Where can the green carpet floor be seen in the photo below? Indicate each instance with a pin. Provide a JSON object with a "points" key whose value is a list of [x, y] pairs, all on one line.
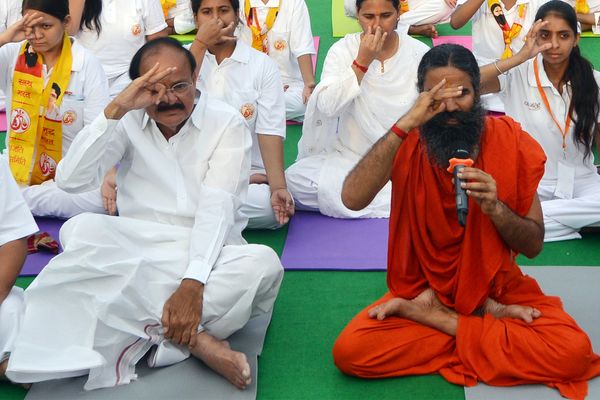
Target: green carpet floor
{"points": [[313, 307]]}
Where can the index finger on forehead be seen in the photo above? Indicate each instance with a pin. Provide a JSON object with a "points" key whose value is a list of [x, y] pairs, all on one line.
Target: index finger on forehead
{"points": [[161, 74]]}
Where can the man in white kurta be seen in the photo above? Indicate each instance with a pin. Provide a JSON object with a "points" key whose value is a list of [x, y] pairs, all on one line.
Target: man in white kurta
{"points": [[173, 270], [289, 39], [85, 97], [345, 118], [16, 223], [249, 81], [570, 188], [125, 27]]}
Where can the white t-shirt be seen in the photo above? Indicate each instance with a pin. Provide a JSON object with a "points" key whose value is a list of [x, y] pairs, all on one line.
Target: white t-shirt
{"points": [[10, 12], [249, 82], [524, 104], [183, 17], [16, 220], [85, 97], [289, 38], [488, 41], [125, 25]]}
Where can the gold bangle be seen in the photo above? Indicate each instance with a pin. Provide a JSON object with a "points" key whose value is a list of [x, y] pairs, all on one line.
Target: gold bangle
{"points": [[498, 69]]}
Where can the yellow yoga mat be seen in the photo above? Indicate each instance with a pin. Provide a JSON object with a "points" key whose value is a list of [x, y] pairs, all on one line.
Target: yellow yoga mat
{"points": [[342, 25]]}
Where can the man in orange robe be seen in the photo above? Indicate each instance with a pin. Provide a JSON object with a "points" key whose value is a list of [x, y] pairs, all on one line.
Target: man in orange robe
{"points": [[458, 304]]}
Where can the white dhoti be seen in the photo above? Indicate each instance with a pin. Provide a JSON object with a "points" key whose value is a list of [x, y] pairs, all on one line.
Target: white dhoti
{"points": [[47, 200], [425, 12], [294, 104], [258, 208], [96, 308], [11, 315], [316, 185], [563, 218]]}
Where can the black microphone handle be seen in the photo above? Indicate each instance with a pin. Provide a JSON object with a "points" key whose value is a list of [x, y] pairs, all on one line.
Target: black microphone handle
{"points": [[462, 200]]}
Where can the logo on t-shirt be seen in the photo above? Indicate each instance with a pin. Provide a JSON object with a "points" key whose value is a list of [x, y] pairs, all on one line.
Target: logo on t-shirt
{"points": [[19, 120], [247, 110], [136, 29], [533, 106], [280, 45], [69, 117]]}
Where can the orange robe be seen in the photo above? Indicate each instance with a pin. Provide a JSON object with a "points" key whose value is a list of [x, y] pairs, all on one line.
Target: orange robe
{"points": [[464, 266]]}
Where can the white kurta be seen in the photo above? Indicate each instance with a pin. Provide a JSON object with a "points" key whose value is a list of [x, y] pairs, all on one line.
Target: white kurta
{"points": [[570, 187], [423, 12], [344, 119], [289, 38], [249, 82], [125, 25], [99, 303], [16, 222], [85, 98]]}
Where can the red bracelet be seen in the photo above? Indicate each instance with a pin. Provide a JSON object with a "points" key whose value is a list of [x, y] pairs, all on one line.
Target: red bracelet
{"points": [[402, 134], [360, 67]]}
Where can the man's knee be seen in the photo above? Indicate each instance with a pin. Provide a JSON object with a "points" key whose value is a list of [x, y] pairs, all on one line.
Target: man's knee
{"points": [[263, 262], [347, 353], [574, 355]]}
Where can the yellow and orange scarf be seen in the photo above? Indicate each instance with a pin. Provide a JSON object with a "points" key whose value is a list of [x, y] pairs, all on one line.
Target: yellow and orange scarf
{"points": [[509, 32], [259, 34], [35, 126], [582, 7], [167, 5], [403, 6]]}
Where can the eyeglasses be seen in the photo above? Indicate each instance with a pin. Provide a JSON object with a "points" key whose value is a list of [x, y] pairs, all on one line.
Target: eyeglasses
{"points": [[178, 88]]}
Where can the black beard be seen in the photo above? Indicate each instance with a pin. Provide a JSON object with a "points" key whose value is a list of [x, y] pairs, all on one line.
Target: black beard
{"points": [[441, 137], [31, 59]]}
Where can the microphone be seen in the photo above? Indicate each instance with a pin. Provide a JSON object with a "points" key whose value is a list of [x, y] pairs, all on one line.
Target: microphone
{"points": [[460, 159]]}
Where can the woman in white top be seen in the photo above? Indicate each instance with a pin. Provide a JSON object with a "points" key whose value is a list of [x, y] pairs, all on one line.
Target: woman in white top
{"points": [[16, 223], [281, 29], [499, 29], [555, 96], [45, 57], [115, 29], [368, 80], [249, 81]]}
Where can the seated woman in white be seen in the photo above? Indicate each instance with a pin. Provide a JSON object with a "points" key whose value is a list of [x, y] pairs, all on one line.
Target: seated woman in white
{"points": [[499, 29], [555, 96], [54, 87], [281, 29], [16, 223], [249, 81], [588, 12], [418, 17], [115, 29], [368, 80]]}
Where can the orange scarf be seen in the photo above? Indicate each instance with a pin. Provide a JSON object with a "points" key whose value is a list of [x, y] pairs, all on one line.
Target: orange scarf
{"points": [[427, 246]]}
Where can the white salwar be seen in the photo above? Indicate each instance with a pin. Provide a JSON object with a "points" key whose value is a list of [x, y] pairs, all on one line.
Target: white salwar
{"points": [[570, 188], [16, 222], [125, 25], [344, 119], [289, 38], [85, 98], [249, 81], [100, 302]]}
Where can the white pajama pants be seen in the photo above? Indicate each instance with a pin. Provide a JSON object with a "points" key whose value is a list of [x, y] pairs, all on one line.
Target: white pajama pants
{"points": [[294, 105], [11, 316], [258, 208], [47, 200], [563, 218], [99, 303]]}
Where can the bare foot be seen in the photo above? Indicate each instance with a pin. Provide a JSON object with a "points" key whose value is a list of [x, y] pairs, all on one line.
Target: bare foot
{"points": [[425, 309], [499, 310], [425, 30], [217, 354], [3, 366]]}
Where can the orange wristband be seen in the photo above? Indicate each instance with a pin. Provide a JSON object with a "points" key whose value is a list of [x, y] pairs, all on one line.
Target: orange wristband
{"points": [[360, 67], [399, 132]]}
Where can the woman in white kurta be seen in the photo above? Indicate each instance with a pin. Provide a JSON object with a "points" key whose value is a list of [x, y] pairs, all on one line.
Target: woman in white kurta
{"points": [[538, 93], [83, 98], [16, 223], [288, 41], [368, 80], [488, 39], [249, 81], [124, 27]]}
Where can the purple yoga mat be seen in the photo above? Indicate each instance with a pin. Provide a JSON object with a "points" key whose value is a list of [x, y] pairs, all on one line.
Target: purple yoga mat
{"points": [[37, 261], [317, 242]]}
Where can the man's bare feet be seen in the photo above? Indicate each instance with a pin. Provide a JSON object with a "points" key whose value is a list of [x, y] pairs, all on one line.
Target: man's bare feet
{"points": [[499, 310], [425, 309], [217, 354], [425, 30], [3, 366]]}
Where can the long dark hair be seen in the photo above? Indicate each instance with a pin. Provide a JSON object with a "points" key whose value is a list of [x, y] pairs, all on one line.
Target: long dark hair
{"points": [[584, 107], [91, 15], [57, 8]]}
